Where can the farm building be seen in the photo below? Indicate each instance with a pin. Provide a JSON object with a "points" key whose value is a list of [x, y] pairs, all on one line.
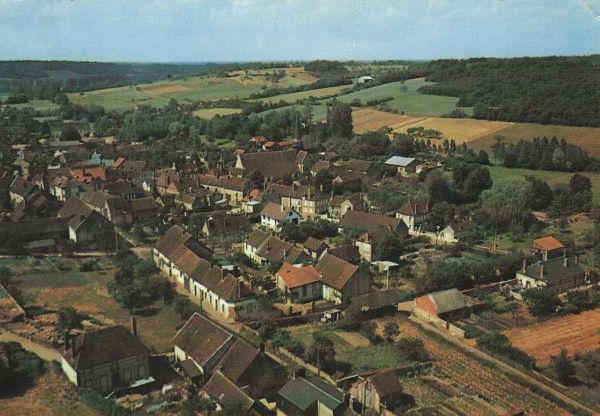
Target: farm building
{"points": [[405, 165], [365, 79], [449, 305], [560, 274], [381, 393], [106, 358], [547, 247], [307, 397]]}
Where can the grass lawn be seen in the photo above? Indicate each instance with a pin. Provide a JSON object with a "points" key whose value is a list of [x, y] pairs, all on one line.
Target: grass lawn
{"points": [[319, 111], [43, 285], [406, 98]]}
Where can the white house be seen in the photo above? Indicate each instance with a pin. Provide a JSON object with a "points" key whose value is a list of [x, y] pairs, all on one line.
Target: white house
{"points": [[274, 215]]}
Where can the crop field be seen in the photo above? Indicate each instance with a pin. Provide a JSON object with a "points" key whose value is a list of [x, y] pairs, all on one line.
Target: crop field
{"points": [[367, 119], [575, 333], [39, 105], [460, 129], [468, 375], [159, 93], [586, 137], [54, 283], [301, 95], [405, 98], [208, 113]]}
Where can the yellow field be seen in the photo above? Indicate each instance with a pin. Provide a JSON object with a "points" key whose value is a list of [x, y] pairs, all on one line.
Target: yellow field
{"points": [[208, 113], [585, 137], [367, 119], [479, 134]]}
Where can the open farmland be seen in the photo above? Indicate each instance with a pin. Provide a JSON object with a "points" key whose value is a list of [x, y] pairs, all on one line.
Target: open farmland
{"points": [[469, 377], [405, 97], [585, 137], [186, 89], [208, 113], [575, 333], [460, 129], [367, 119], [301, 95]]}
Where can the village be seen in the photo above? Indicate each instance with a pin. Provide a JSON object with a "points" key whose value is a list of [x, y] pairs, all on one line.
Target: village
{"points": [[297, 295]]}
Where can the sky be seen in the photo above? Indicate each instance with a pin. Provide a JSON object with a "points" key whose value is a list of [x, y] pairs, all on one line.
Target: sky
{"points": [[277, 30]]}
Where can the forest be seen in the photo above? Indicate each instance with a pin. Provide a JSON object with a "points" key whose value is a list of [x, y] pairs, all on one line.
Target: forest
{"points": [[546, 90]]}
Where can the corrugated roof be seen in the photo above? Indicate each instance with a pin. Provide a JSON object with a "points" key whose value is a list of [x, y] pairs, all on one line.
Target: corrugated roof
{"points": [[400, 161], [447, 300]]}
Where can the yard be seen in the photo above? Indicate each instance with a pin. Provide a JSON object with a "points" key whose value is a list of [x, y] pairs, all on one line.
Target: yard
{"points": [[52, 283]]}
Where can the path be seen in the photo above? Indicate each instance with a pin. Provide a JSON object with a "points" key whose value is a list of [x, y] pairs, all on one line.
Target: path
{"points": [[503, 366], [45, 353]]}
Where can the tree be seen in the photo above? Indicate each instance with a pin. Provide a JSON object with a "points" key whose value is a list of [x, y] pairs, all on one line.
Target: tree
{"points": [[483, 158], [391, 331], [541, 301], [390, 247], [412, 348], [69, 318], [579, 183], [539, 194], [69, 132], [563, 367], [322, 353], [339, 119], [438, 188], [477, 181]]}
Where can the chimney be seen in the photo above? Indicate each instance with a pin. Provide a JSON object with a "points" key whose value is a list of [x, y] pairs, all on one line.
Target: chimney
{"points": [[524, 265], [542, 271], [72, 347], [565, 261], [133, 325]]}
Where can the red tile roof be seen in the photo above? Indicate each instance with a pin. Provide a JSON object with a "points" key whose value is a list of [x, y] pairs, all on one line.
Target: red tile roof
{"points": [[298, 276], [548, 243]]}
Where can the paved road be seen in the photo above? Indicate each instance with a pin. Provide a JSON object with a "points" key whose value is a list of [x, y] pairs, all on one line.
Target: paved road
{"points": [[503, 366], [45, 353]]}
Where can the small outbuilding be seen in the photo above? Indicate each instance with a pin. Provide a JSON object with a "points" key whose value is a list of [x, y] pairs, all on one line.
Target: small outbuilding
{"points": [[449, 305], [405, 165]]}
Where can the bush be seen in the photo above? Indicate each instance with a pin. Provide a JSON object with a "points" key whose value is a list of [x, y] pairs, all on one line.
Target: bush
{"points": [[69, 318], [471, 332], [500, 344], [18, 369], [88, 266], [412, 349], [541, 301]]}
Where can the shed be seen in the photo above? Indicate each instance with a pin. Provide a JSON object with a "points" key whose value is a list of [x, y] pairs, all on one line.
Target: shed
{"points": [[449, 305]]}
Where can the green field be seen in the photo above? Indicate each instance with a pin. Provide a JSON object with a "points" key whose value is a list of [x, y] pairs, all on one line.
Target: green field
{"points": [[201, 88], [39, 105], [301, 95], [208, 113], [406, 98]]}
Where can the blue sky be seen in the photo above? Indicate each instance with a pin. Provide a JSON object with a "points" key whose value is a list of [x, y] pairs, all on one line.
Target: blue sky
{"points": [[258, 30]]}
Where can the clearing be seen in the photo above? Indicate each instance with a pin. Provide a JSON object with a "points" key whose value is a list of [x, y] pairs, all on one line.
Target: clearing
{"points": [[575, 333], [460, 129]]}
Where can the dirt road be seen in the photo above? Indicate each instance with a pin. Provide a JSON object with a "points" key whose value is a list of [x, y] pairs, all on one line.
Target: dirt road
{"points": [[45, 353]]}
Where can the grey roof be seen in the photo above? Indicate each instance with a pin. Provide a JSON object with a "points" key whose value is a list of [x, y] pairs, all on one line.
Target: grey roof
{"points": [[400, 161], [447, 300], [555, 270], [303, 392]]}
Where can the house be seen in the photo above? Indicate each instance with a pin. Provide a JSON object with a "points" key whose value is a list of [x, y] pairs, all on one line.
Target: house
{"points": [[405, 165], [92, 230], [340, 204], [381, 393], [306, 200], [114, 208], [354, 165], [45, 231], [310, 397], [365, 79], [274, 215], [163, 179], [559, 274], [376, 227], [63, 187], [143, 209], [456, 230], [314, 247], [299, 284], [348, 252], [414, 215], [196, 200], [347, 181], [199, 346], [341, 280], [547, 247], [232, 188], [264, 249], [107, 358], [227, 394], [448, 305], [271, 165]]}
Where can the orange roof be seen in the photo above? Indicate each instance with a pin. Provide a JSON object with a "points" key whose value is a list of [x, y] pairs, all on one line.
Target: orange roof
{"points": [[85, 174], [118, 162], [298, 276], [548, 243]]}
